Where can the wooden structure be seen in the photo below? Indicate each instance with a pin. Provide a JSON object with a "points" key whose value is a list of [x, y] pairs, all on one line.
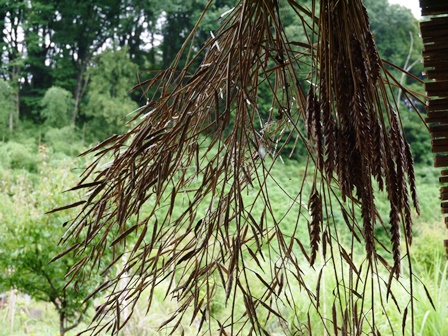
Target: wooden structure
{"points": [[435, 60]]}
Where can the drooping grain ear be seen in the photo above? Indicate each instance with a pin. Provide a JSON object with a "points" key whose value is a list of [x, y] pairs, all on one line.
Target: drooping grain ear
{"points": [[188, 181], [315, 206]]}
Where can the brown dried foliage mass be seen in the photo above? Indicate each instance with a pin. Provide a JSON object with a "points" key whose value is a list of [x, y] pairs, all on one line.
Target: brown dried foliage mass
{"points": [[201, 141]]}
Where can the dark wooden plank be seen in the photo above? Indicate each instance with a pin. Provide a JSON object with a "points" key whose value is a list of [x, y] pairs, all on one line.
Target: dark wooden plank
{"points": [[440, 149], [433, 7], [439, 89], [439, 142], [439, 135], [439, 128], [444, 197], [436, 119], [441, 161], [434, 64], [433, 47], [436, 86], [438, 114], [434, 21], [437, 104], [437, 74]]}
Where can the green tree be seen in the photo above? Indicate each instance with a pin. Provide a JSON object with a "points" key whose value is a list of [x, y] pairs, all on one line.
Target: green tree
{"points": [[40, 55], [83, 29], [51, 44], [178, 19], [137, 29], [108, 98], [57, 107], [12, 18], [391, 25], [30, 240], [8, 115]]}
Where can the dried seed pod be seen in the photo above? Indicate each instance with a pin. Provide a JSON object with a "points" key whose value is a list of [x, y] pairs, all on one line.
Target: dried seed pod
{"points": [[395, 237], [378, 153], [358, 61], [310, 112], [315, 208], [374, 58], [367, 211]]}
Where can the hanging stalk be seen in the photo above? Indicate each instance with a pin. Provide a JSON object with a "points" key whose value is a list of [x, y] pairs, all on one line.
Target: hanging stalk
{"points": [[208, 118]]}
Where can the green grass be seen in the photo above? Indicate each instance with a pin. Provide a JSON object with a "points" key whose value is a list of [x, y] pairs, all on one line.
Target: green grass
{"points": [[427, 252], [25, 324]]}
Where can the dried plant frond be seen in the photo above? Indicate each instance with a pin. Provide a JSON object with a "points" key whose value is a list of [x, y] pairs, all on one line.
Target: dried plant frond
{"points": [[179, 201]]}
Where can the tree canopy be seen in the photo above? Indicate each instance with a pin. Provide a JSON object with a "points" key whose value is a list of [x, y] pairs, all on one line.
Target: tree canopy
{"points": [[57, 44]]}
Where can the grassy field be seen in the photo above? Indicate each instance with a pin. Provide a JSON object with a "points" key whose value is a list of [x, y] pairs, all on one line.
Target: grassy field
{"points": [[39, 318]]}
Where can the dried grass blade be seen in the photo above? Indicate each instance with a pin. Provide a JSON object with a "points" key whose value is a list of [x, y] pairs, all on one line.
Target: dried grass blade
{"points": [[124, 235], [65, 207], [63, 253]]}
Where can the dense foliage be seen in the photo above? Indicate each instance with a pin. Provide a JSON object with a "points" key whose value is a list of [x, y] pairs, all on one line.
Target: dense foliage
{"points": [[73, 64], [30, 240]]}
